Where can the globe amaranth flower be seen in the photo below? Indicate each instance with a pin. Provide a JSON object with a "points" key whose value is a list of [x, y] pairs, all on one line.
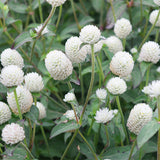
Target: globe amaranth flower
{"points": [[38, 28], [133, 50], [158, 70], [70, 115], [5, 113], [90, 34], [33, 82], [122, 64], [56, 3], [69, 97], [150, 52], [73, 50], [13, 133], [122, 28], [157, 2], [104, 115], [139, 116], [11, 57], [25, 100], [42, 110], [11, 76], [101, 94], [116, 86], [153, 17], [58, 65], [115, 111]]}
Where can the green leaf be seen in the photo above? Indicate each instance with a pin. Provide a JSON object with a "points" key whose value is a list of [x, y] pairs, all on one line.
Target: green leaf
{"points": [[64, 127], [97, 5], [147, 132], [107, 52], [3, 89], [143, 67]]}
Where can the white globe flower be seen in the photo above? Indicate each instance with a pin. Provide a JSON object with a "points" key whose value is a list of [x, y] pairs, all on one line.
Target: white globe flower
{"points": [[157, 2], [90, 34], [58, 65], [25, 100], [116, 86], [11, 76], [13, 133], [5, 113], [115, 111], [69, 97], [11, 57], [42, 110], [153, 17], [56, 3], [73, 50], [104, 115], [33, 82], [122, 28], [45, 30], [70, 115], [122, 64], [150, 52], [133, 50], [139, 116], [158, 69], [101, 94]]}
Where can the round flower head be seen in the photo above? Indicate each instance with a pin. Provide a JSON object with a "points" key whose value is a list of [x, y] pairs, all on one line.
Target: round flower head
{"points": [[58, 65], [13, 133], [153, 17], [70, 115], [122, 64], [150, 52], [133, 50], [5, 113], [25, 100], [116, 86], [139, 116], [115, 111], [11, 57], [122, 28], [73, 50], [101, 94], [114, 44], [104, 115], [11, 76], [69, 97], [38, 28], [90, 34], [33, 82], [157, 2], [56, 3], [42, 110], [158, 69]]}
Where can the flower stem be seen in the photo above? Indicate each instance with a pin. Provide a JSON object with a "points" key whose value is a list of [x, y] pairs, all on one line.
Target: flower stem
{"points": [[157, 35], [131, 152], [158, 146], [78, 155], [114, 15], [147, 74], [96, 137], [69, 85], [124, 44], [100, 68], [40, 11], [83, 6], [75, 113], [90, 128], [32, 50], [81, 82], [59, 17], [141, 10]]}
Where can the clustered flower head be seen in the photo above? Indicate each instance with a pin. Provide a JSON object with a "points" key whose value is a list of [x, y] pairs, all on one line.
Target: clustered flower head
{"points": [[157, 2], [101, 94], [116, 86], [5, 113], [42, 110], [58, 65], [153, 17], [38, 28], [139, 116], [122, 64], [133, 50], [122, 28], [150, 52], [104, 115], [25, 100], [70, 115], [90, 34], [69, 97], [13, 133], [11, 57], [56, 3], [33, 82], [11, 76]]}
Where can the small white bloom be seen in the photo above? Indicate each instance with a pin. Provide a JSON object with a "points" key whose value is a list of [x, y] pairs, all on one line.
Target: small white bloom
{"points": [[122, 28], [45, 30], [101, 94], [157, 2], [69, 97], [11, 76], [139, 30], [70, 115], [158, 69], [150, 52], [11, 57], [5, 113], [56, 3], [116, 86], [104, 115], [90, 34], [133, 50], [33, 82], [139, 116], [58, 65], [122, 64], [153, 17], [25, 100], [42, 110], [115, 111], [13, 133]]}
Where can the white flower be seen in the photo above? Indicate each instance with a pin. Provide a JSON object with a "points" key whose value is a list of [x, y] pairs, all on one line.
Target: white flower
{"points": [[33, 82], [158, 69], [150, 52], [73, 50], [56, 3], [70, 115], [157, 2], [11, 76], [42, 110], [69, 97], [116, 86], [139, 116], [11, 57], [122, 64], [139, 30], [153, 17], [58, 65], [101, 94], [115, 111], [45, 30], [25, 100], [122, 28], [90, 34], [114, 44], [104, 115], [153, 89], [13, 133], [5, 113], [133, 50]]}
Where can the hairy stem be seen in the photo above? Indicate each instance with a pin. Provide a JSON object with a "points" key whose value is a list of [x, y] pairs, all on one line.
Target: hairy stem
{"points": [[81, 82], [40, 11], [131, 152]]}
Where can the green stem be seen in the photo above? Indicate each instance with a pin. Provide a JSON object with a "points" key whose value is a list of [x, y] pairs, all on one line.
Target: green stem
{"points": [[90, 128], [75, 113], [100, 67], [140, 153], [33, 137], [83, 6], [69, 85], [31, 10], [122, 117], [81, 82], [124, 44], [96, 137], [59, 17], [32, 51], [78, 155], [27, 21], [141, 10], [147, 74], [114, 15], [101, 14], [157, 35], [131, 152], [40, 11], [158, 146]]}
